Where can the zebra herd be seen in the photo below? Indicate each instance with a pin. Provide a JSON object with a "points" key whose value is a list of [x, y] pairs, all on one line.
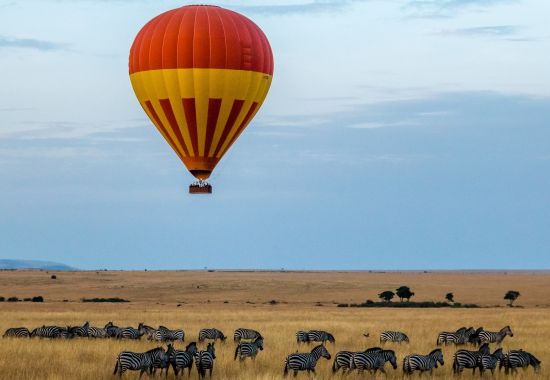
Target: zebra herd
{"points": [[250, 342]]}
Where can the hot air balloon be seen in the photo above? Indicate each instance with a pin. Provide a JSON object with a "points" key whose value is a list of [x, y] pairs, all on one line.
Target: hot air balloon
{"points": [[201, 73]]}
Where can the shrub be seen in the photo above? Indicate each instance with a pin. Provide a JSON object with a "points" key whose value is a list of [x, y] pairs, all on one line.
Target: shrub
{"points": [[112, 299], [13, 299], [2, 299], [37, 299], [53, 277]]}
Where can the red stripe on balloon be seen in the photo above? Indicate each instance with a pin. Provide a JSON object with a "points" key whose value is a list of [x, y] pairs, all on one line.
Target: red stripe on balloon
{"points": [[214, 106], [159, 124], [235, 111], [191, 118], [169, 113], [244, 123]]}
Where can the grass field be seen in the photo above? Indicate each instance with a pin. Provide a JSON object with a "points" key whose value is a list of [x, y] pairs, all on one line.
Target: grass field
{"points": [[229, 300]]}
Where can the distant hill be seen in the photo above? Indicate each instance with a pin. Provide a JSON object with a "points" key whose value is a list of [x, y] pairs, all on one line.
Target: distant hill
{"points": [[33, 264]]}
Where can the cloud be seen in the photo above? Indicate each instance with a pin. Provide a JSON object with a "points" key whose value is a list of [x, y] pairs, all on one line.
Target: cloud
{"points": [[448, 8], [489, 31], [30, 43], [315, 6]]}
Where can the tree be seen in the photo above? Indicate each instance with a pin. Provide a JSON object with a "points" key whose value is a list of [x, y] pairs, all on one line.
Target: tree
{"points": [[450, 297], [404, 292], [387, 295], [511, 296]]}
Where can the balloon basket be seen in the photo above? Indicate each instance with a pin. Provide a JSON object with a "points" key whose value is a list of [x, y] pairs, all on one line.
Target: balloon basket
{"points": [[200, 188]]}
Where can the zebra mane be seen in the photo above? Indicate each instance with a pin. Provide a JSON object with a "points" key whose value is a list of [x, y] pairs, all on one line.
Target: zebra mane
{"points": [[190, 345], [533, 360], [434, 351], [157, 349]]}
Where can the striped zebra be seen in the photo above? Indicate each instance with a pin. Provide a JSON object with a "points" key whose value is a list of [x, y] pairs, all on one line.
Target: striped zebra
{"points": [[245, 334], [343, 359], [132, 333], [81, 331], [112, 330], [460, 336], [161, 359], [249, 350], [519, 359], [204, 360], [320, 336], [393, 336], [212, 333], [17, 332], [495, 337], [183, 359], [136, 361], [423, 363], [474, 337], [469, 359], [47, 332], [97, 332], [490, 361], [163, 334], [66, 333], [305, 361], [373, 361]]}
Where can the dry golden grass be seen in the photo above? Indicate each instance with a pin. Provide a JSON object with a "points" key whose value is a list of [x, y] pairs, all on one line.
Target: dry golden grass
{"points": [[154, 297]]}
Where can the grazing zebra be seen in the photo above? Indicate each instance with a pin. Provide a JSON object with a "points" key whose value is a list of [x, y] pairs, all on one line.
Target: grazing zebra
{"points": [[495, 337], [183, 359], [205, 360], [66, 333], [393, 336], [460, 336], [47, 332], [135, 361], [212, 333], [249, 350], [97, 332], [423, 363], [302, 336], [343, 359], [245, 334], [132, 333], [516, 359], [320, 336], [17, 332], [490, 361], [164, 334], [474, 338], [81, 331], [373, 361], [112, 330], [305, 361], [469, 359]]}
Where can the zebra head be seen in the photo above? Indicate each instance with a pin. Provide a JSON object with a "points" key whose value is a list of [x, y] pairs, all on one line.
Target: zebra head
{"points": [[259, 342], [321, 352], [507, 331], [389, 355], [108, 325], [211, 349], [191, 348], [534, 362], [330, 338], [484, 349], [221, 336], [437, 354]]}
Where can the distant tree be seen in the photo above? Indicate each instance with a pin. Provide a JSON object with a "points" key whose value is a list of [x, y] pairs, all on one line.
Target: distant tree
{"points": [[511, 296], [450, 297], [387, 295], [53, 277], [404, 292]]}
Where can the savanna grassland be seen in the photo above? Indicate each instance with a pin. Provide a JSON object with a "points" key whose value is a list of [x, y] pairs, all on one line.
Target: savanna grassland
{"points": [[228, 300]]}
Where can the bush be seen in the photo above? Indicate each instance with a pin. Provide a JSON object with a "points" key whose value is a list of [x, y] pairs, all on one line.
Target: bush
{"points": [[112, 299], [2, 299], [37, 299], [53, 277], [26, 299], [13, 299], [424, 304]]}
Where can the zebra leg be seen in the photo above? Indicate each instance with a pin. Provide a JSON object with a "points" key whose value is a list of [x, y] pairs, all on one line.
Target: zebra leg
{"points": [[295, 372]]}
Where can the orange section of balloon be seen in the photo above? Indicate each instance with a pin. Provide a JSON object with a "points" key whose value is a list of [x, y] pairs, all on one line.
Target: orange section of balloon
{"points": [[201, 73]]}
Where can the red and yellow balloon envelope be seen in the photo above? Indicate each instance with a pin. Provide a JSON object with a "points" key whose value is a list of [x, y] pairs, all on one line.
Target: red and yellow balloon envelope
{"points": [[201, 73]]}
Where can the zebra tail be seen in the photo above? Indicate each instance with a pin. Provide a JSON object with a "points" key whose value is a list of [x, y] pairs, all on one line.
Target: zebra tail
{"points": [[200, 368], [334, 366], [116, 364], [236, 352], [285, 371]]}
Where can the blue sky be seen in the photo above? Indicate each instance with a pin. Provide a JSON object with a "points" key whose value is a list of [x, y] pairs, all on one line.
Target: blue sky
{"points": [[397, 135]]}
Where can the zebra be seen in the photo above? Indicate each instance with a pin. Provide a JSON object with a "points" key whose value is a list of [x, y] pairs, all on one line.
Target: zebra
{"points": [[66, 333], [211, 333], [373, 361], [460, 336], [423, 363], [249, 350], [205, 360], [132, 333], [393, 336], [81, 331], [490, 361], [97, 332], [495, 337], [469, 359], [161, 359], [523, 359], [135, 361], [164, 334], [112, 330], [343, 358], [302, 337], [320, 336], [17, 332], [245, 334], [183, 359], [305, 361], [474, 337], [47, 332]]}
